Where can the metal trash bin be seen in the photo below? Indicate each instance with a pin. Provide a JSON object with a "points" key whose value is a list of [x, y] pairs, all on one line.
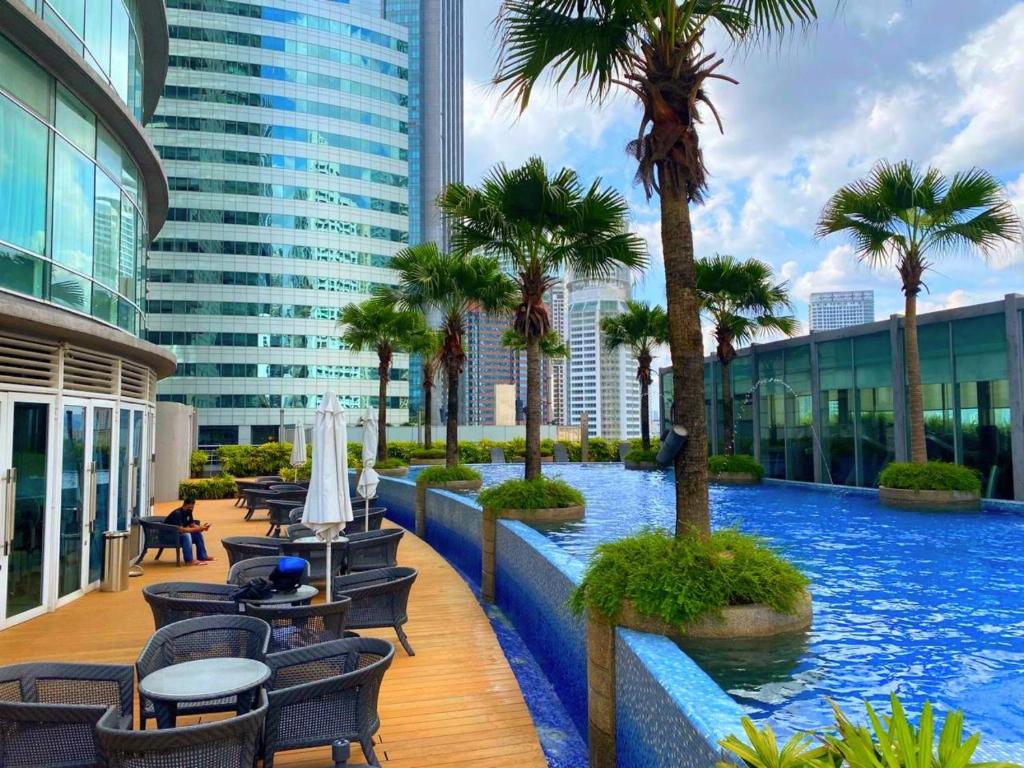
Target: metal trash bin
{"points": [[115, 561]]}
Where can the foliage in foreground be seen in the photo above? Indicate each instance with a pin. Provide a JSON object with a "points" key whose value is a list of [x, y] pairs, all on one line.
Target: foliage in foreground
{"points": [[682, 579], [933, 476], [542, 493], [438, 475], [739, 463], [219, 487], [887, 742]]}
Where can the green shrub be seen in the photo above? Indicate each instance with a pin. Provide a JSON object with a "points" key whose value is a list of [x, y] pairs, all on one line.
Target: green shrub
{"points": [[400, 449], [684, 579], [390, 464], [933, 476], [427, 453], [542, 493], [197, 462], [219, 487], [739, 463], [297, 474], [255, 460], [639, 456], [438, 475]]}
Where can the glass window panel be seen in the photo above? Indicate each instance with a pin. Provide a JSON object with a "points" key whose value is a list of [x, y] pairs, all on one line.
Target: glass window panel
{"points": [[126, 268], [772, 394], [129, 177], [23, 146], [72, 499], [73, 205], [108, 152], [104, 304], [97, 31], [135, 76], [71, 290], [30, 458], [25, 79], [979, 348], [836, 398], [68, 18], [126, 316], [76, 122], [22, 272], [119, 49], [108, 230]]}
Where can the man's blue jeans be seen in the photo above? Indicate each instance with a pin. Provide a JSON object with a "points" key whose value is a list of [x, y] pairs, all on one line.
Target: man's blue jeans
{"points": [[187, 540]]}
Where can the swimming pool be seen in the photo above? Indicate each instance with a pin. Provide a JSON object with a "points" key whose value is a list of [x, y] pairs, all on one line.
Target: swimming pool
{"points": [[927, 604]]}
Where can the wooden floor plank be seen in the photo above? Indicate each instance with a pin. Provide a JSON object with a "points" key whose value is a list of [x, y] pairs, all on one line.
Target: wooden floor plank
{"points": [[456, 703]]}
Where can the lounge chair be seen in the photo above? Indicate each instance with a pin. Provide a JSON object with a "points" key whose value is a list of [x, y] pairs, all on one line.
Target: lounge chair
{"points": [[297, 626], [380, 598]]}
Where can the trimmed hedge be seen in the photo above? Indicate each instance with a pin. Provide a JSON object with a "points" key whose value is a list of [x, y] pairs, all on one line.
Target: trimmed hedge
{"points": [[738, 463], [219, 487], [255, 460], [541, 493], [390, 464], [933, 476], [438, 475], [197, 462], [426, 453], [684, 579]]}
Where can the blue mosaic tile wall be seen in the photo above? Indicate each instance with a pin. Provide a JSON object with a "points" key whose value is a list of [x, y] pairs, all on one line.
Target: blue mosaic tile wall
{"points": [[534, 579], [453, 529], [399, 496], [669, 713]]}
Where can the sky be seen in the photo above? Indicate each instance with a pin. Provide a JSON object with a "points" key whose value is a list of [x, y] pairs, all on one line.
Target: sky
{"points": [[939, 82]]}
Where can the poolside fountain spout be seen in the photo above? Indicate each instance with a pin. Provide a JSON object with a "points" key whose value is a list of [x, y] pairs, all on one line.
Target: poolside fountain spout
{"points": [[672, 442]]}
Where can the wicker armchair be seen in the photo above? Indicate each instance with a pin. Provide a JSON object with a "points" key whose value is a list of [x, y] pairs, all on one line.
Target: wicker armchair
{"points": [[241, 548], [359, 521], [255, 499], [173, 601], [289, 487], [246, 485], [295, 514], [207, 637], [49, 711], [299, 531], [257, 567], [323, 693], [230, 743], [280, 509], [299, 626], [380, 598], [373, 549], [158, 535], [269, 479]]}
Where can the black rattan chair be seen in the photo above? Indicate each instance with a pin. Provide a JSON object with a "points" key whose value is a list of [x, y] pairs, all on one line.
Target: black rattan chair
{"points": [[359, 522], [257, 567], [298, 626], [269, 479], [173, 601], [323, 693], [246, 485], [280, 513], [295, 514], [207, 637], [49, 711], [315, 553], [380, 598], [241, 548], [230, 743], [373, 549], [289, 487], [158, 535], [299, 531], [256, 499]]}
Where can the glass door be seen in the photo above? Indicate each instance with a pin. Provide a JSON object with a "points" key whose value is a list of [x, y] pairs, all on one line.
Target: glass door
{"points": [[131, 463], [75, 492], [25, 455], [102, 462]]}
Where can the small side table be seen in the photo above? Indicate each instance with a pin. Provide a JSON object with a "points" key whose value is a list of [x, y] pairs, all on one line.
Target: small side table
{"points": [[202, 680], [303, 594]]}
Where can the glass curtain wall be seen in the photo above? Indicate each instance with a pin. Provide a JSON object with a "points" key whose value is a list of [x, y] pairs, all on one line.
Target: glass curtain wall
{"points": [[741, 372], [937, 392], [837, 409], [772, 402], [877, 439]]}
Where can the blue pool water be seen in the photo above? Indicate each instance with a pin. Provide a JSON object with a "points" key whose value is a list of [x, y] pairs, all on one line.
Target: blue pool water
{"points": [[927, 604]]}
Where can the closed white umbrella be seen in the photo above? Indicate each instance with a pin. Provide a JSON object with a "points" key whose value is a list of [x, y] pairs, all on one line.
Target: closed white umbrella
{"points": [[368, 478], [299, 446], [328, 506]]}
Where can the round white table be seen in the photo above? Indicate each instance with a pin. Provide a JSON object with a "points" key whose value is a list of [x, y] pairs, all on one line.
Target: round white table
{"points": [[318, 540], [304, 593], [202, 680]]}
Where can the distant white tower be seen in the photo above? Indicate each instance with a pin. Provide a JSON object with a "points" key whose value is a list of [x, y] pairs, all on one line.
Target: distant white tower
{"points": [[840, 309], [601, 383], [558, 301]]}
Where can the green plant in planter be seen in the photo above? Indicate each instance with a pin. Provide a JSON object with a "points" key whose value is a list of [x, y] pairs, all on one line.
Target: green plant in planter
{"points": [[640, 456], [427, 453], [390, 464], [683, 579], [542, 493], [439, 475], [219, 487], [740, 463], [933, 476], [197, 461]]}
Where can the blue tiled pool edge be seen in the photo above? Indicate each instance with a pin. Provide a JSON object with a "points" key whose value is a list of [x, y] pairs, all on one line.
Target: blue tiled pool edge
{"points": [[669, 712]]}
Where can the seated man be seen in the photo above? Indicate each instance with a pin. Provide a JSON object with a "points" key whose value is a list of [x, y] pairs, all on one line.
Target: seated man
{"points": [[190, 531]]}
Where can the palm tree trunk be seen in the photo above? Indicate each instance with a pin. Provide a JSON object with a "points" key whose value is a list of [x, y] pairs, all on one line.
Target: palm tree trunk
{"points": [[645, 414], [452, 434], [532, 407], [428, 405], [382, 409], [912, 358], [687, 346], [727, 418]]}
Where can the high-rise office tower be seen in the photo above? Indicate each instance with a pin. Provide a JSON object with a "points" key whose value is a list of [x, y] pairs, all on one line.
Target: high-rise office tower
{"points": [[488, 364], [292, 157], [602, 384], [840, 309], [557, 304]]}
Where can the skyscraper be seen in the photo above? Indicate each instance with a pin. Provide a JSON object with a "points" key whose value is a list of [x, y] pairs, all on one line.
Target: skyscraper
{"points": [[488, 363], [557, 300], [602, 384], [840, 309], [296, 171]]}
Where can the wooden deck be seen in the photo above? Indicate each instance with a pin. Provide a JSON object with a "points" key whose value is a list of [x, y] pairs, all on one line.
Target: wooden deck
{"points": [[456, 703]]}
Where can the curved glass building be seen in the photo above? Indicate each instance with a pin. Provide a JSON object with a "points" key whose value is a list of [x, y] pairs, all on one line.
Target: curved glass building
{"points": [[81, 189], [284, 129]]}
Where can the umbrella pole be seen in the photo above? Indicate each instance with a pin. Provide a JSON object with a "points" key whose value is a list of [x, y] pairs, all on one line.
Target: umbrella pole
{"points": [[366, 514], [327, 577]]}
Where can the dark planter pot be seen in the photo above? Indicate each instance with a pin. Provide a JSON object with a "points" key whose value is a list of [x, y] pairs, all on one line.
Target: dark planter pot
{"points": [[734, 478], [641, 466], [940, 500], [421, 498], [427, 462], [396, 472]]}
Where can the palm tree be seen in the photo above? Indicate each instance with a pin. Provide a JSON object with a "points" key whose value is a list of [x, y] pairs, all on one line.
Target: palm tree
{"points": [[742, 303], [641, 327], [376, 325], [429, 345], [654, 50], [453, 284], [901, 216], [538, 225]]}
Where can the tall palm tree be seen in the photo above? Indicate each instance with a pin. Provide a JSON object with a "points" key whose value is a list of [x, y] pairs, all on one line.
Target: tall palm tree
{"points": [[429, 345], [654, 50], [641, 327], [376, 325], [902, 216], [743, 303], [538, 225], [452, 284]]}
